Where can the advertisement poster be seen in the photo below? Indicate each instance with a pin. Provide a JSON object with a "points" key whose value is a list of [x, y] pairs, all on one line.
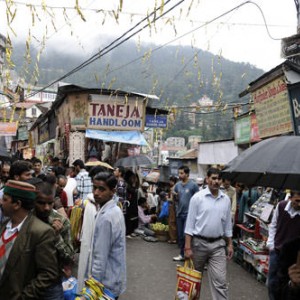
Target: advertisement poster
{"points": [[272, 107]]}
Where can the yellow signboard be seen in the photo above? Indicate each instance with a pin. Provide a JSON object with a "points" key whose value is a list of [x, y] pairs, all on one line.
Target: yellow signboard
{"points": [[272, 107]]}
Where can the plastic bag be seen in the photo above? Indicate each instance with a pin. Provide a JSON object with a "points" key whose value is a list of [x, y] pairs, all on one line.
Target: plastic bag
{"points": [[69, 287]]}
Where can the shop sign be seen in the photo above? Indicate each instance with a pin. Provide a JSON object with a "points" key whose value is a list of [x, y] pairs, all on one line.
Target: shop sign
{"points": [[44, 133], [272, 109], [154, 121], [8, 129], [254, 135], [242, 130], [295, 99], [23, 133], [116, 114], [78, 112]]}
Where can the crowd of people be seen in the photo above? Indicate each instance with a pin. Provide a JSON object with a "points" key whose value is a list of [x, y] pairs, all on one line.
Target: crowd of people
{"points": [[50, 213]]}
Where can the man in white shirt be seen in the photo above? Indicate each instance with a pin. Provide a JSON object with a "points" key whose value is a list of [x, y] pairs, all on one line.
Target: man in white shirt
{"points": [[208, 232], [285, 226]]}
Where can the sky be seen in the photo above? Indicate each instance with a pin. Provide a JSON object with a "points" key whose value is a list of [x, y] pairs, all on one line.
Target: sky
{"points": [[240, 35]]}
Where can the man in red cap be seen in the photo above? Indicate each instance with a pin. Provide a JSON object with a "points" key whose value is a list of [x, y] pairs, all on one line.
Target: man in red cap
{"points": [[28, 258]]}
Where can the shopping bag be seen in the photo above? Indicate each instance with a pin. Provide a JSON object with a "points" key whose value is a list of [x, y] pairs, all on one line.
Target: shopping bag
{"points": [[188, 282]]}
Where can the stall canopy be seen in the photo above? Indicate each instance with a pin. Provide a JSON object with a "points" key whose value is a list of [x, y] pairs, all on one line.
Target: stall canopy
{"points": [[217, 152], [126, 137]]}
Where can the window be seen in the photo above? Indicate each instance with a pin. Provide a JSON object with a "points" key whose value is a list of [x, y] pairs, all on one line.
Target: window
{"points": [[33, 112]]}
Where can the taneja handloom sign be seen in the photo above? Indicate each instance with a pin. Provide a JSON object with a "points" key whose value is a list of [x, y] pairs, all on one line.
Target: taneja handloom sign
{"points": [[115, 114]]}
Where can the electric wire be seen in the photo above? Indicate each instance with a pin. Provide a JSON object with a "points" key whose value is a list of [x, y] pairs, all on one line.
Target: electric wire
{"points": [[107, 49]]}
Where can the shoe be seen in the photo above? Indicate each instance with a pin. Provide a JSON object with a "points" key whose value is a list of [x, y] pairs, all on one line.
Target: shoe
{"points": [[150, 239], [129, 236], [139, 232], [178, 258], [133, 235], [172, 241]]}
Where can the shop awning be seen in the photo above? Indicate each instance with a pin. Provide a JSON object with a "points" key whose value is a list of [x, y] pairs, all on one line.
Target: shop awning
{"points": [[126, 137]]}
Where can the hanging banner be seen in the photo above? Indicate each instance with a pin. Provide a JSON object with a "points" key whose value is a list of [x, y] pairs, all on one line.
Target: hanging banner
{"points": [[272, 107], [8, 129], [115, 113]]}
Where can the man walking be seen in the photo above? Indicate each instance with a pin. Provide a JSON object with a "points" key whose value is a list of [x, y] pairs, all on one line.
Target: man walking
{"points": [[28, 258], [208, 231], [107, 262], [63, 243], [183, 192], [84, 182]]}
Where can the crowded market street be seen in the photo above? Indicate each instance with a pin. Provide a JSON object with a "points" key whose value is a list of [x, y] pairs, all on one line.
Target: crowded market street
{"points": [[152, 275]]}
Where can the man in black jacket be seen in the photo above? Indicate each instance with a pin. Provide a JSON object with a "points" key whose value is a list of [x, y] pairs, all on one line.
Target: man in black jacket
{"points": [[289, 271]]}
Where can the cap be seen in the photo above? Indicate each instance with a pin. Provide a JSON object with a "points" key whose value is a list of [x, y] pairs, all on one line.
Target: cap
{"points": [[199, 180], [145, 184], [20, 189]]}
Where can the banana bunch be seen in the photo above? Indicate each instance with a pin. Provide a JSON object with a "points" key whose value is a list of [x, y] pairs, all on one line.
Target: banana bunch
{"points": [[159, 227]]}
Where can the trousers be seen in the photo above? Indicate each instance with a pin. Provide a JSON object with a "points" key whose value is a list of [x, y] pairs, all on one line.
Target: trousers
{"points": [[214, 254]]}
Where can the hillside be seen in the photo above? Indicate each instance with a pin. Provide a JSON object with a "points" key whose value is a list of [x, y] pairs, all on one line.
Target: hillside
{"points": [[178, 75]]}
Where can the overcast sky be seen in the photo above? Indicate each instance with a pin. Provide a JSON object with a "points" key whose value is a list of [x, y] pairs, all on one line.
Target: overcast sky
{"points": [[240, 36]]}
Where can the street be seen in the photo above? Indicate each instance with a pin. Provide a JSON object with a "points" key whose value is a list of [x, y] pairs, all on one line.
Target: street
{"points": [[151, 275]]}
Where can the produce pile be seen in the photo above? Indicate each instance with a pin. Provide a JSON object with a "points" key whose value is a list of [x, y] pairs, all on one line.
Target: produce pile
{"points": [[159, 227]]}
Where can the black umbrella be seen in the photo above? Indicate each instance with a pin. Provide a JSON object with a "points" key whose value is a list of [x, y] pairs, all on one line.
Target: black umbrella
{"points": [[135, 161], [4, 155], [274, 162]]}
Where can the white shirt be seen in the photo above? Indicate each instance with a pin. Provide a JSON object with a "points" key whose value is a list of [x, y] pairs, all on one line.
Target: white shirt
{"points": [[12, 230], [151, 200], [69, 189], [209, 216], [273, 226]]}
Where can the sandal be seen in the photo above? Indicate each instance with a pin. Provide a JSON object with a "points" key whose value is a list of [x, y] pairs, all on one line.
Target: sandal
{"points": [[172, 241]]}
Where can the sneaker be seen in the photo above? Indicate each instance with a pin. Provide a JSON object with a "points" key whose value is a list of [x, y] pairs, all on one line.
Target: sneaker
{"points": [[178, 258]]}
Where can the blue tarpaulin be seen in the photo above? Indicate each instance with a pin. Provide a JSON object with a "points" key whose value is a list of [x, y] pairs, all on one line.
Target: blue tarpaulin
{"points": [[127, 137]]}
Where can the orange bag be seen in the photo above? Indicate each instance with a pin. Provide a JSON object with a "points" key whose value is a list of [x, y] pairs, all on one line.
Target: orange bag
{"points": [[188, 282]]}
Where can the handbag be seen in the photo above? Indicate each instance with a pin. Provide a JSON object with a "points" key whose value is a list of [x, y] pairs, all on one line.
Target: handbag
{"points": [[188, 282]]}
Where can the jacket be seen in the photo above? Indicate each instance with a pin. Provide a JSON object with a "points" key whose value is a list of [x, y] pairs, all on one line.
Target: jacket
{"points": [[32, 264]]}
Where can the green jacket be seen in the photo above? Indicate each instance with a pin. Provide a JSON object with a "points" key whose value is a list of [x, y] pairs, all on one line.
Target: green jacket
{"points": [[32, 265], [63, 242]]}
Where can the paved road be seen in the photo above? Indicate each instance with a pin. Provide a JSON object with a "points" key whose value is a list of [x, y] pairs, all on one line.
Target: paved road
{"points": [[151, 275]]}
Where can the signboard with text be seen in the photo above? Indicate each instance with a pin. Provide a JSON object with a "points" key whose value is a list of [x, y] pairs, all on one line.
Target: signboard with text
{"points": [[154, 121], [8, 129], [242, 130], [272, 107], [115, 113], [295, 99], [23, 133]]}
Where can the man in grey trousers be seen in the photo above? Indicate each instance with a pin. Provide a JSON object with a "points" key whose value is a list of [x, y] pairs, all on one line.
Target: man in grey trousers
{"points": [[208, 233]]}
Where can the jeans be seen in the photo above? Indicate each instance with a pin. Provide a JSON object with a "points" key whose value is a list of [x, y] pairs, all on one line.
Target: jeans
{"points": [[273, 281], [55, 292], [181, 220]]}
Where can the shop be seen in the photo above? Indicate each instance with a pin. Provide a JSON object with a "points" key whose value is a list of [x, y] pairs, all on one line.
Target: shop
{"points": [[94, 123]]}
